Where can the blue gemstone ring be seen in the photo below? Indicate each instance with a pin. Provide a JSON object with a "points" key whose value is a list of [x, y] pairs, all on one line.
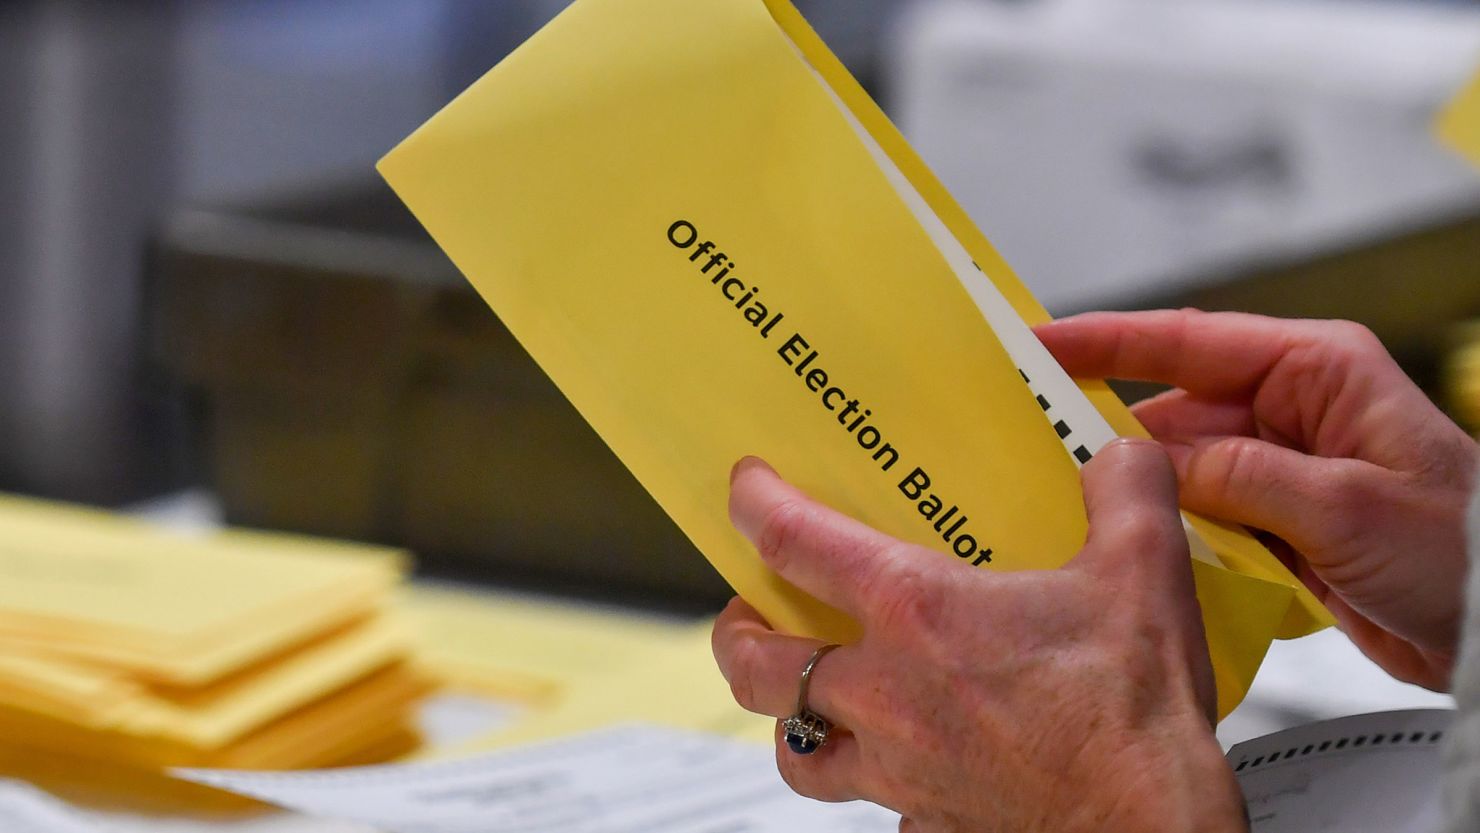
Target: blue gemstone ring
{"points": [[806, 731]]}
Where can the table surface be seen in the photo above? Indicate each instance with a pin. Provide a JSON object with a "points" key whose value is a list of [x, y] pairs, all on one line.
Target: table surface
{"points": [[1310, 679]]}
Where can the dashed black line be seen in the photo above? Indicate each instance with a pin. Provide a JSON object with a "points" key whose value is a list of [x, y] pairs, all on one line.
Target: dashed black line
{"points": [[1340, 744], [1060, 427]]}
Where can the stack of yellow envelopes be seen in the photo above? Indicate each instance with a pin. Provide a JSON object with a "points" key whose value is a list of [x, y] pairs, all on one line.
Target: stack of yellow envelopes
{"points": [[126, 649]]}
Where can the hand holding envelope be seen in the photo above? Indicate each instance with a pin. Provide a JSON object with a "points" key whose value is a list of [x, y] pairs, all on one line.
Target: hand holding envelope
{"points": [[714, 246], [554, 182], [979, 701]]}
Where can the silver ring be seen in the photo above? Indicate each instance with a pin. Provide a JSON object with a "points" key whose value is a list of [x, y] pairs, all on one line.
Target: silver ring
{"points": [[806, 731]]}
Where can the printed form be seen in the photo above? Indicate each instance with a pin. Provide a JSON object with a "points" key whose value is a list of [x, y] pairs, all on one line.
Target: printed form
{"points": [[1373, 773], [633, 779]]}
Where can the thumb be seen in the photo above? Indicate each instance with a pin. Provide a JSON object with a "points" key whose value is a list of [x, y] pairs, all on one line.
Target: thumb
{"points": [[1136, 538], [1135, 528], [1311, 502]]}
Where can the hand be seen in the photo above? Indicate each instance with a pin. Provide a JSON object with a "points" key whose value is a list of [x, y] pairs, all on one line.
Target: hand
{"points": [[1063, 700], [1310, 431]]}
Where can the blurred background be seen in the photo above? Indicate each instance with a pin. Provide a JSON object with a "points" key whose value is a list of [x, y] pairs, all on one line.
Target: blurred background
{"points": [[206, 291]]}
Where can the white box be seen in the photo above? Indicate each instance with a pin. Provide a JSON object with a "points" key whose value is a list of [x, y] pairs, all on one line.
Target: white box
{"points": [[1115, 148]]}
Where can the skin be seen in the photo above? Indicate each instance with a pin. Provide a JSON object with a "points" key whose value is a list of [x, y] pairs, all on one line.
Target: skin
{"points": [[1080, 699], [1309, 431], [1063, 700]]}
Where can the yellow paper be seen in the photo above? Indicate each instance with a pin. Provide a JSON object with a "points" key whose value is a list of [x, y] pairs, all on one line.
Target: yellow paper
{"points": [[533, 652], [672, 683], [172, 609], [223, 713], [587, 183], [318, 733], [574, 666], [1460, 124], [211, 717], [84, 696]]}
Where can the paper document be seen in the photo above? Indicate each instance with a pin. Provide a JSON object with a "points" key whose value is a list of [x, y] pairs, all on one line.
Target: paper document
{"points": [[525, 650], [636, 779], [721, 250], [675, 685], [25, 809], [126, 648], [177, 610], [1373, 773], [1460, 124]]}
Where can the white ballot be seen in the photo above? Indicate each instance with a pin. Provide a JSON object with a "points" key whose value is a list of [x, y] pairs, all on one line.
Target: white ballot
{"points": [[634, 779], [25, 809], [1373, 773]]}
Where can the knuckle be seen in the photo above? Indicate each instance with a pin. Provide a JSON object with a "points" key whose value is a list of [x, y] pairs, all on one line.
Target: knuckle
{"points": [[1346, 504], [744, 660], [781, 528], [908, 602], [1186, 321], [1190, 316], [1355, 338], [1227, 465], [1145, 528]]}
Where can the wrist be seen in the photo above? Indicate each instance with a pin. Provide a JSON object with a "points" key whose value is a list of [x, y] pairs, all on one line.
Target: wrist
{"points": [[1187, 788], [1224, 810], [1215, 800]]}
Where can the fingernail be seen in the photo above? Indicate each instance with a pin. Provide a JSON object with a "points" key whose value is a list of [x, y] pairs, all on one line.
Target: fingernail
{"points": [[749, 462], [1124, 445]]}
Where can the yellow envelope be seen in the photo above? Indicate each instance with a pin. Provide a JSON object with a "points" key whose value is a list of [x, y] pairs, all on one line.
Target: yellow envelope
{"points": [[717, 245], [522, 649], [1460, 124], [317, 733], [674, 683], [205, 718], [173, 609], [86, 697]]}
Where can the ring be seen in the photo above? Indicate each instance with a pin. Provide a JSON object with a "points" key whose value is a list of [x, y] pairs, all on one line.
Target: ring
{"points": [[806, 731]]}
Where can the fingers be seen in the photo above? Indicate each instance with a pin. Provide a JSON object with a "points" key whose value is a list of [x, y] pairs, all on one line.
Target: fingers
{"points": [[834, 773], [1136, 538], [1178, 414], [829, 555], [1328, 386], [764, 668], [1135, 529], [1314, 503], [1211, 354]]}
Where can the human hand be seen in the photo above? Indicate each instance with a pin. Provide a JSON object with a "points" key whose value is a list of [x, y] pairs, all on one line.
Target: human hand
{"points": [[1310, 431], [1068, 700]]}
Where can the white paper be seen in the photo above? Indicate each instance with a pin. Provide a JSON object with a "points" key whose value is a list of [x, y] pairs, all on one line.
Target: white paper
{"points": [[636, 779], [25, 809], [1374, 773], [449, 718]]}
